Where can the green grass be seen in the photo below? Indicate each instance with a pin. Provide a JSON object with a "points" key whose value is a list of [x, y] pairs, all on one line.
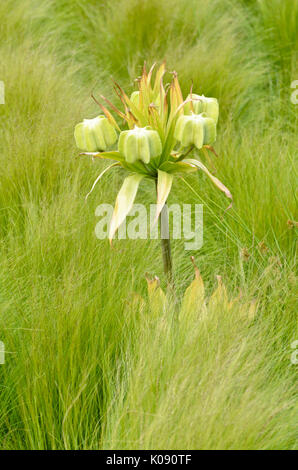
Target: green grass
{"points": [[87, 367]]}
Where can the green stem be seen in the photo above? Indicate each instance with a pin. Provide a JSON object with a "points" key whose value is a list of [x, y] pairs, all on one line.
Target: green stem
{"points": [[163, 222], [166, 245]]}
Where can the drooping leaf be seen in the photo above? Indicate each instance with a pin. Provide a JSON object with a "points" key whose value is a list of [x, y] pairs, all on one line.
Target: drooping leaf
{"points": [[216, 181], [124, 202], [204, 149], [105, 155], [164, 185], [99, 177], [177, 167]]}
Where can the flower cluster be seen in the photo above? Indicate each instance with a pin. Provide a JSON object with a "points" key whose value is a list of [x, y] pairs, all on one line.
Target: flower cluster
{"points": [[160, 131]]}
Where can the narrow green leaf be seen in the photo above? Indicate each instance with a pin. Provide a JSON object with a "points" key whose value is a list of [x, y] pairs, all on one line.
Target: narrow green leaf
{"points": [[124, 202], [158, 77], [164, 184], [106, 155], [216, 181], [133, 108], [99, 177], [177, 167]]}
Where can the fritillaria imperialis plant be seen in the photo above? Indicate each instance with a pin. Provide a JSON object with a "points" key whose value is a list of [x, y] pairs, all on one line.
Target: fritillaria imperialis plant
{"points": [[159, 131]]}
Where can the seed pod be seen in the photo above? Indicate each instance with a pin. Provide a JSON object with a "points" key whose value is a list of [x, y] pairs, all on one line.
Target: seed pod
{"points": [[140, 143], [94, 135], [196, 129], [202, 104]]}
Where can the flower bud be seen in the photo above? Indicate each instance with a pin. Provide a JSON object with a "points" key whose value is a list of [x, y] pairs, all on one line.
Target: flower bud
{"points": [[96, 134], [202, 104], [196, 129], [140, 143]]}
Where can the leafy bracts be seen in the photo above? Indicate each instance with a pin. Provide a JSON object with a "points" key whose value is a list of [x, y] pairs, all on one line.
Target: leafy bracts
{"points": [[159, 130]]}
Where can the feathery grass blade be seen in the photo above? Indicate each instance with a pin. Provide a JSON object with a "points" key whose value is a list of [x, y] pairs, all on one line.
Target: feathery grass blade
{"points": [[99, 176], [216, 181], [164, 184], [124, 202]]}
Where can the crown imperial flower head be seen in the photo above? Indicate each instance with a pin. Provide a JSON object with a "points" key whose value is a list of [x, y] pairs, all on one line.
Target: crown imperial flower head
{"points": [[196, 129], [140, 143], [157, 129], [95, 134]]}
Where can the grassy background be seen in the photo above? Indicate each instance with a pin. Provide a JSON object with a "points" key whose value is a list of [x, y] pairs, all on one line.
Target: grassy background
{"points": [[86, 368]]}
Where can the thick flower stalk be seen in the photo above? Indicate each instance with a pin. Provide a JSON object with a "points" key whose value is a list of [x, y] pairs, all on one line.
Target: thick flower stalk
{"points": [[158, 131]]}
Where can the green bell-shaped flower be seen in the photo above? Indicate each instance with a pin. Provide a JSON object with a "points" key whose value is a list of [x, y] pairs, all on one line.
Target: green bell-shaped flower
{"points": [[196, 129], [202, 104], [94, 135], [140, 143]]}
